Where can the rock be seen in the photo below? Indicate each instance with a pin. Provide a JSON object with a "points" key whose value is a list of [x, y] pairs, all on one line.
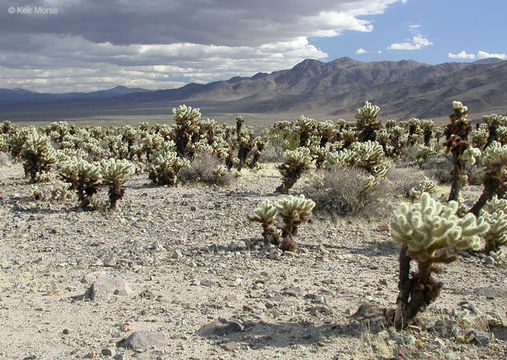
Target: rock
{"points": [[403, 338], [292, 291], [120, 357], [177, 255], [105, 286], [66, 331], [107, 352], [489, 260], [221, 327], [90, 355], [478, 337], [143, 339], [231, 346], [437, 344]]}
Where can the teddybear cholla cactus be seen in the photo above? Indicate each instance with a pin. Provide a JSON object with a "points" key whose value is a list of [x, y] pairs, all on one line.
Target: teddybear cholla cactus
{"points": [[38, 156], [294, 163], [495, 214], [187, 125], [114, 174], [367, 123], [165, 167], [425, 186], [83, 176], [426, 229], [265, 214], [293, 210], [456, 143], [494, 160]]}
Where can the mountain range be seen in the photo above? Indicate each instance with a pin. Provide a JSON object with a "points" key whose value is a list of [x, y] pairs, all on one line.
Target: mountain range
{"points": [[334, 89]]}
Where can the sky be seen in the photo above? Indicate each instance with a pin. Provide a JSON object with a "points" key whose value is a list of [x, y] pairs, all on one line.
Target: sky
{"points": [[87, 45]]}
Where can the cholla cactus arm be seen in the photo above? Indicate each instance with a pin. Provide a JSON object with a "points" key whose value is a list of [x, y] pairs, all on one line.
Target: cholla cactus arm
{"points": [[265, 214], [495, 214], [294, 163], [427, 127], [494, 160], [114, 174], [367, 122], [293, 211], [425, 230]]}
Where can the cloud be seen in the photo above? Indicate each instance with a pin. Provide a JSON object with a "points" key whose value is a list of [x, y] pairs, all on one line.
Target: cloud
{"points": [[91, 44], [361, 51], [417, 42], [461, 55], [485, 55]]}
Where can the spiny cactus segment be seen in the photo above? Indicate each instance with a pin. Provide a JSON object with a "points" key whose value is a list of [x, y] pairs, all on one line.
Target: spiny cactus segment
{"points": [[165, 167]]}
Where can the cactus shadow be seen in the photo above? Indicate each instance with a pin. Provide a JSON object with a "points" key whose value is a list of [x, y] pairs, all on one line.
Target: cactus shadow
{"points": [[259, 335]]}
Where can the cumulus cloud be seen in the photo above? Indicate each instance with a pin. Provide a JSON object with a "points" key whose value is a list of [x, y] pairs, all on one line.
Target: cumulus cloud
{"points": [[360, 51], [462, 55], [417, 42], [485, 55], [165, 43]]}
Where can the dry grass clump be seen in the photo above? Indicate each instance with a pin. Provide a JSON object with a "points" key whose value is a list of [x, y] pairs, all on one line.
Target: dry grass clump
{"points": [[207, 169], [403, 179], [348, 192]]}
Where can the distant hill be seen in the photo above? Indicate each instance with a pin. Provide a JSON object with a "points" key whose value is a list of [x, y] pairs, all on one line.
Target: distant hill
{"points": [[402, 89]]}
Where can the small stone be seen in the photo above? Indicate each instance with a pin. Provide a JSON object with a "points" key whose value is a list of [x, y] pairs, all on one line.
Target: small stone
{"points": [[111, 262], [478, 337], [66, 331], [489, 260], [143, 339], [237, 282], [231, 346], [120, 357], [177, 255], [90, 355], [107, 352], [221, 327], [292, 291], [105, 286], [437, 344]]}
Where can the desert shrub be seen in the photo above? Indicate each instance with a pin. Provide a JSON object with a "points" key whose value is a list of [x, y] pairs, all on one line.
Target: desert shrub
{"points": [[439, 168], [346, 191], [404, 179], [207, 169], [425, 230]]}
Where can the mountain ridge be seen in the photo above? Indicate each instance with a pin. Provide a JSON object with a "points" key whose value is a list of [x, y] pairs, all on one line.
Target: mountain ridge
{"points": [[402, 89]]}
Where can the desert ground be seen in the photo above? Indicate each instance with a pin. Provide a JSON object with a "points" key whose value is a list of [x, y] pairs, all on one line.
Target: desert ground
{"points": [[185, 264]]}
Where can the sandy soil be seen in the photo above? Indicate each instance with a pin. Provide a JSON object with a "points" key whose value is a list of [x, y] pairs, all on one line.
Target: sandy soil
{"points": [[189, 257]]}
